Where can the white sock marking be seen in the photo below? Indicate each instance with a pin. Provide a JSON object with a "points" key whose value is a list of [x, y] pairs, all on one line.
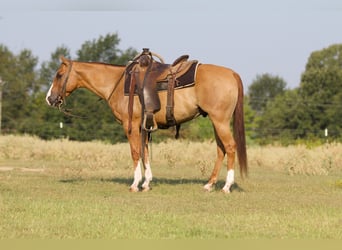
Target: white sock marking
{"points": [[148, 176], [229, 180], [137, 177]]}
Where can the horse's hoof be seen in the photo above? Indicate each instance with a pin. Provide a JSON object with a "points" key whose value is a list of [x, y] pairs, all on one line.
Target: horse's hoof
{"points": [[208, 187], [225, 190], [134, 189], [146, 189]]}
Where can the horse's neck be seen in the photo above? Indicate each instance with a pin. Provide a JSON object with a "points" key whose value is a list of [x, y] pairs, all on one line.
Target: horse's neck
{"points": [[102, 79]]}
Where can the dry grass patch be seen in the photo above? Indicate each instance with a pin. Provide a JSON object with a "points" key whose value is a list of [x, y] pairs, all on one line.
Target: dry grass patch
{"points": [[298, 159], [95, 156]]}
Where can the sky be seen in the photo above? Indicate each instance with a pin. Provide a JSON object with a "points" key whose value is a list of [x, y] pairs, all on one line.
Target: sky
{"points": [[251, 37]]}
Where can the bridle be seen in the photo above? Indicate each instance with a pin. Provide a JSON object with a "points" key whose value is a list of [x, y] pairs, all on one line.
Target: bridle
{"points": [[63, 95]]}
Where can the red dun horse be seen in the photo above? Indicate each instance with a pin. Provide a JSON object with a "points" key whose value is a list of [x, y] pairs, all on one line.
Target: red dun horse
{"points": [[218, 93]]}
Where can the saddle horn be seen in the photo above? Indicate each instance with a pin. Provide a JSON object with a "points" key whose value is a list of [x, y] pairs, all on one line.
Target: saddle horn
{"points": [[145, 51]]}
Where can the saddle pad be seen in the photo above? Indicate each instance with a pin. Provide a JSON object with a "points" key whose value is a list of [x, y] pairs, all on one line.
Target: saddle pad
{"points": [[187, 79]]}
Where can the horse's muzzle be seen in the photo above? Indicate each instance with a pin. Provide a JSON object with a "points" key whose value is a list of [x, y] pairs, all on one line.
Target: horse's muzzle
{"points": [[54, 101]]}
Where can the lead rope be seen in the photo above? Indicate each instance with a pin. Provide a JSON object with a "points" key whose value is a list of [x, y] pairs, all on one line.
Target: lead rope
{"points": [[150, 142]]}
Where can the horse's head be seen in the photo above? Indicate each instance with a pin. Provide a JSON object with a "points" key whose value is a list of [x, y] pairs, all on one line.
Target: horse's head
{"points": [[62, 85]]}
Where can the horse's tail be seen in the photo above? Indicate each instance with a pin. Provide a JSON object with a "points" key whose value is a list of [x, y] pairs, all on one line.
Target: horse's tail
{"points": [[239, 129]]}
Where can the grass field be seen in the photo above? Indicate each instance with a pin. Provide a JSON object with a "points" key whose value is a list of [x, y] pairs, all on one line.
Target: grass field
{"points": [[70, 190]]}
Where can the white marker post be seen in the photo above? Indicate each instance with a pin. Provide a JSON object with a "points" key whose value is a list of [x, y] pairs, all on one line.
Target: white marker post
{"points": [[326, 134], [61, 127]]}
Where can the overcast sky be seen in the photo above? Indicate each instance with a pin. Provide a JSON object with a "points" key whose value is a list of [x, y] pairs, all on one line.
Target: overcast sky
{"points": [[252, 37]]}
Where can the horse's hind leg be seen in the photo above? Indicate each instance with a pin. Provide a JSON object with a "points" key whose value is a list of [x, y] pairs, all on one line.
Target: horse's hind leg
{"points": [[218, 164], [225, 145], [230, 149]]}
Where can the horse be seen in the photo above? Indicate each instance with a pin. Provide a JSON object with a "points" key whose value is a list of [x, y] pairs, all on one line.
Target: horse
{"points": [[217, 93]]}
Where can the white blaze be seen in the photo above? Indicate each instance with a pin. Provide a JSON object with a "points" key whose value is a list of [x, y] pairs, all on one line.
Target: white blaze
{"points": [[48, 95]]}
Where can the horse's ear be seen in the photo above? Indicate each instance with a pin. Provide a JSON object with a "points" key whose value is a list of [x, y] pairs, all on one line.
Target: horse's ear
{"points": [[63, 59]]}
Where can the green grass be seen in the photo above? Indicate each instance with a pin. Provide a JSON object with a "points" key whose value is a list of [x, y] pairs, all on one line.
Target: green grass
{"points": [[87, 197]]}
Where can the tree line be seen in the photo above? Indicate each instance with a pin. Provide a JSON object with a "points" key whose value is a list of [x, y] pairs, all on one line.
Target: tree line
{"points": [[311, 111], [273, 113]]}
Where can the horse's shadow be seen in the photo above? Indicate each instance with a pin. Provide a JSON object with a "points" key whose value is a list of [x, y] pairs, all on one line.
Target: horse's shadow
{"points": [[159, 181]]}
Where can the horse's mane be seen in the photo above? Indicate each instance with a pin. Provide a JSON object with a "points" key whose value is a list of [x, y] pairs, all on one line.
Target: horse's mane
{"points": [[103, 63]]}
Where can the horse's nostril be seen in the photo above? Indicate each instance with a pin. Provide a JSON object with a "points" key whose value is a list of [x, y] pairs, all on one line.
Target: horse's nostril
{"points": [[49, 100], [52, 101]]}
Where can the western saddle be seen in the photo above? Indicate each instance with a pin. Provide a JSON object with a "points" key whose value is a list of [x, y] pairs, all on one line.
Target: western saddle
{"points": [[146, 77]]}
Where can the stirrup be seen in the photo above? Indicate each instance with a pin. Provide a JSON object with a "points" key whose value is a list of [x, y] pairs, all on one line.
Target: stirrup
{"points": [[149, 123]]}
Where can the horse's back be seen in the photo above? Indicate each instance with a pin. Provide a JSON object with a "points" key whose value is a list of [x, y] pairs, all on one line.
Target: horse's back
{"points": [[215, 92], [216, 74]]}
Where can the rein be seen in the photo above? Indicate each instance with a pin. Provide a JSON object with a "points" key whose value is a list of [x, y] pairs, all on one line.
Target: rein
{"points": [[68, 112], [115, 86]]}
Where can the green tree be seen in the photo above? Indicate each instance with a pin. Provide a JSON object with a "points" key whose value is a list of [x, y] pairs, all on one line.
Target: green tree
{"points": [[263, 89], [7, 60], [105, 49], [250, 120], [26, 87], [20, 76], [305, 112], [321, 87], [284, 119], [334, 116]]}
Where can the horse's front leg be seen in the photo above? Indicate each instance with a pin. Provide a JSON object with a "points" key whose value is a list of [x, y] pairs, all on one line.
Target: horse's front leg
{"points": [[148, 170], [137, 171], [134, 139], [134, 142], [138, 174]]}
